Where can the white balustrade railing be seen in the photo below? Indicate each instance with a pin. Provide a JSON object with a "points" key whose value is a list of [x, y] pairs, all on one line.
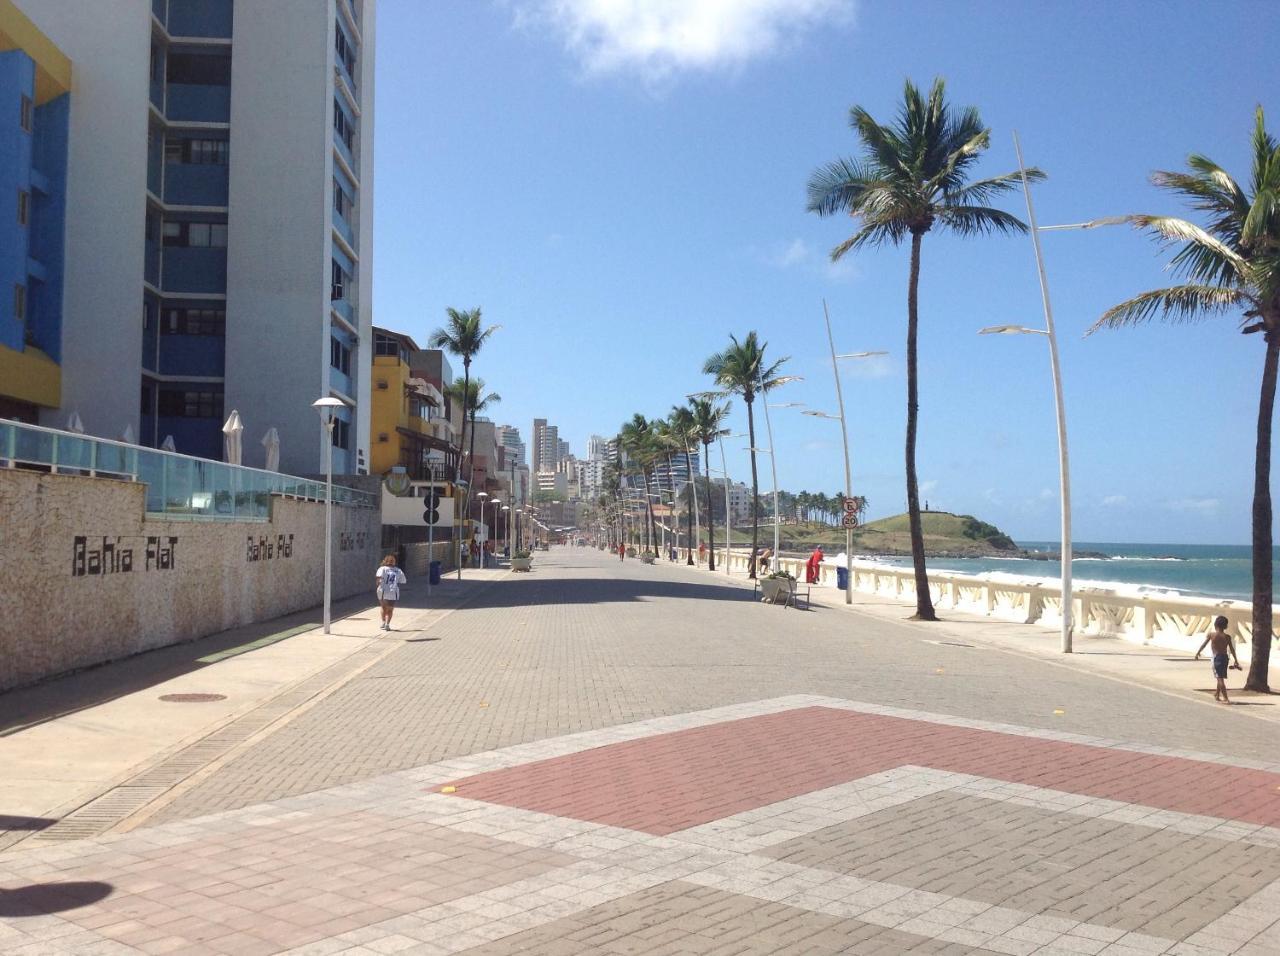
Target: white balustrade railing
{"points": [[1175, 622]]}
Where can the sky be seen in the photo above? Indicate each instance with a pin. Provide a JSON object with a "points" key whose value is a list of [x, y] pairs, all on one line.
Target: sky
{"points": [[620, 184]]}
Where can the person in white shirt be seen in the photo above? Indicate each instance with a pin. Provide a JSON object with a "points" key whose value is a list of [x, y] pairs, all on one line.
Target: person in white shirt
{"points": [[389, 580]]}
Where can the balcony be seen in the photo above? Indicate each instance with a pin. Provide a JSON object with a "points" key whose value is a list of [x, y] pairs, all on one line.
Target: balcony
{"points": [[195, 184], [195, 269], [151, 269], [344, 230], [199, 103], [345, 309]]}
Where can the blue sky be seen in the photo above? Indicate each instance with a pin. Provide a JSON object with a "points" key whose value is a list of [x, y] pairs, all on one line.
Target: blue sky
{"points": [[620, 184]]}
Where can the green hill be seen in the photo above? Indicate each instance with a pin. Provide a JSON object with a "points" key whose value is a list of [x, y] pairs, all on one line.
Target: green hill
{"points": [[945, 534]]}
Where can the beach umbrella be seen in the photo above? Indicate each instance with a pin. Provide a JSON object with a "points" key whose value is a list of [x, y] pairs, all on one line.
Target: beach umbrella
{"points": [[231, 447], [74, 424], [126, 436], [271, 442], [168, 444]]}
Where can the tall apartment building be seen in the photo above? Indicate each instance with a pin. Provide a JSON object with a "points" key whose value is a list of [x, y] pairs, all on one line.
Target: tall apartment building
{"points": [[509, 438], [35, 85], [219, 228], [545, 447], [597, 448]]}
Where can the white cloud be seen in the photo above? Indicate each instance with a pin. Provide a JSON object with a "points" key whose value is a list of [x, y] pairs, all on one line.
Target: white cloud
{"points": [[798, 254], [658, 38], [1115, 501], [1205, 506]]}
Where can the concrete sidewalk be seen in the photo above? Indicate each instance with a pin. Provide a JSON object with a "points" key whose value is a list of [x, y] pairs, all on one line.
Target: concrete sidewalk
{"points": [[1155, 668], [67, 741]]}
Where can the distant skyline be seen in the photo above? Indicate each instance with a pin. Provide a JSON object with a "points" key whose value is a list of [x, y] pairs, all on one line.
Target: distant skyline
{"points": [[621, 185]]}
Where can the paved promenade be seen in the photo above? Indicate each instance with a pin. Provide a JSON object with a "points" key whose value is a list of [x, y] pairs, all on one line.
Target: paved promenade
{"points": [[603, 757]]}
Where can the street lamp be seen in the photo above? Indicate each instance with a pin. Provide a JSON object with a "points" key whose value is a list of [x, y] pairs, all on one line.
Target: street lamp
{"points": [[844, 435], [326, 406], [1055, 369], [773, 459], [506, 510]]}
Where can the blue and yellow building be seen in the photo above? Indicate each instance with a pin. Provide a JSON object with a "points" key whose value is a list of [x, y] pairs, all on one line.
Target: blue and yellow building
{"points": [[35, 109]]}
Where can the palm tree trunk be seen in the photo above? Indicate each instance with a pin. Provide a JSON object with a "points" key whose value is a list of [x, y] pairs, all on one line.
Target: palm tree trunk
{"points": [[924, 600], [755, 492], [711, 510], [688, 470], [653, 525], [457, 472], [1262, 586]]}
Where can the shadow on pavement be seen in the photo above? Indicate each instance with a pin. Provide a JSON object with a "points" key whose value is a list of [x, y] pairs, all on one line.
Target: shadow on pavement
{"points": [[41, 899], [25, 823], [56, 697], [526, 591]]}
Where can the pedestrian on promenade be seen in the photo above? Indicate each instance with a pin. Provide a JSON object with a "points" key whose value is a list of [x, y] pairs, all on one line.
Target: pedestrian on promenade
{"points": [[622, 552], [1222, 643], [813, 567], [766, 556], [389, 580]]}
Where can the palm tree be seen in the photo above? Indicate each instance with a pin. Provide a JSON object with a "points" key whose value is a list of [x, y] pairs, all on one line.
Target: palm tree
{"points": [[1233, 266], [912, 178], [707, 421], [680, 422], [462, 335], [741, 369], [637, 438]]}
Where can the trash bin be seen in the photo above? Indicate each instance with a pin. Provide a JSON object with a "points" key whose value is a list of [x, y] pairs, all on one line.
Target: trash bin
{"points": [[433, 573], [842, 578]]}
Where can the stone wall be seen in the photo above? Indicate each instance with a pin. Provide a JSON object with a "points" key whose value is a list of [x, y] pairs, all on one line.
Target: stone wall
{"points": [[86, 577]]}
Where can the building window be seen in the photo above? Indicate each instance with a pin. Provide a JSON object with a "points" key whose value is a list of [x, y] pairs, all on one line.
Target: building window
{"points": [[343, 126], [198, 234], [339, 280], [175, 404], [19, 301], [194, 322], [146, 399], [341, 434], [339, 355], [24, 207], [341, 201], [385, 345], [345, 52], [199, 152], [199, 69], [25, 113]]}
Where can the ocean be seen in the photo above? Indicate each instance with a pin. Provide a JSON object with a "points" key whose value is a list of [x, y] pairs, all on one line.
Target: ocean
{"points": [[1202, 570]]}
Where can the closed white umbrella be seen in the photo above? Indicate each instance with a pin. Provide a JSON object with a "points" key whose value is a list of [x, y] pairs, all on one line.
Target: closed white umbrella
{"points": [[231, 445], [168, 444], [271, 442], [74, 424], [126, 436]]}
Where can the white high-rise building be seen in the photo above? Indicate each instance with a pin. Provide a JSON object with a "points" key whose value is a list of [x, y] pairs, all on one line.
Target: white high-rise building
{"points": [[219, 220], [545, 446], [508, 437]]}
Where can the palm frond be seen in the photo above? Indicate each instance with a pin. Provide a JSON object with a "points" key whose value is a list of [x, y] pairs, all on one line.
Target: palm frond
{"points": [[875, 234], [881, 143], [1263, 221], [838, 187], [979, 220], [1179, 304], [1208, 187], [1266, 156], [982, 191], [1203, 256]]}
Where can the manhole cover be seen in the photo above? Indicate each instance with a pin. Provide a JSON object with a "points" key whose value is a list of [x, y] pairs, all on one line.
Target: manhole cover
{"points": [[192, 698]]}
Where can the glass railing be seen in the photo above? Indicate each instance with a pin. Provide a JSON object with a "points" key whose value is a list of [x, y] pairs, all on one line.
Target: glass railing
{"points": [[178, 486]]}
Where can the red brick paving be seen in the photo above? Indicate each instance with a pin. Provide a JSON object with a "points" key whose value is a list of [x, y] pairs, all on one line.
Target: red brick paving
{"points": [[673, 781]]}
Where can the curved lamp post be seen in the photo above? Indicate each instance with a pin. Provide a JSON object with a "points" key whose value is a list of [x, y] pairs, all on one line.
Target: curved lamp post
{"points": [[773, 459], [326, 407]]}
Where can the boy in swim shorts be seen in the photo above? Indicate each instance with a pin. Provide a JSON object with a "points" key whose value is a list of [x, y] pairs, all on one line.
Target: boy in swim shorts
{"points": [[1222, 644]]}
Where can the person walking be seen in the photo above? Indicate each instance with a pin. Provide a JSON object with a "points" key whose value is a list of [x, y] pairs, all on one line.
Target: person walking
{"points": [[1222, 644], [389, 580], [622, 552]]}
